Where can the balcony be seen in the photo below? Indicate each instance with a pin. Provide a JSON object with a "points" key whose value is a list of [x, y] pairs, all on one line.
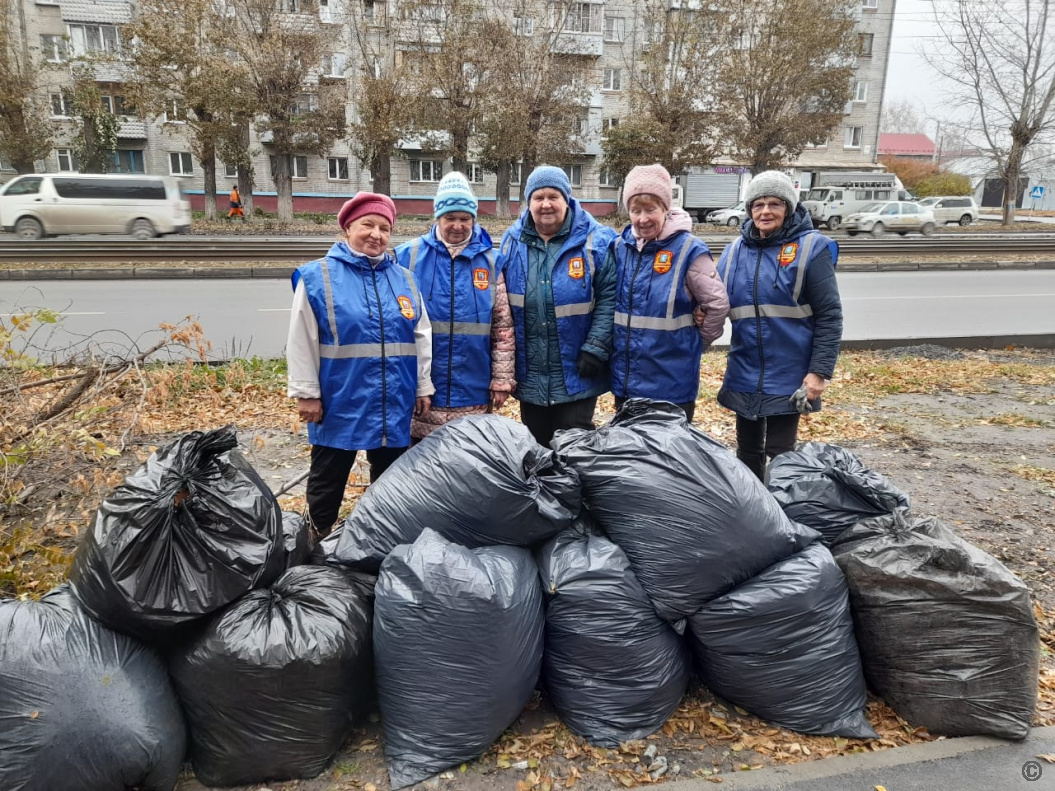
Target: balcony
{"points": [[584, 44], [132, 130]]}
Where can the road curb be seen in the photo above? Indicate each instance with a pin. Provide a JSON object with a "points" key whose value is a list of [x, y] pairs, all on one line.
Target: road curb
{"points": [[777, 776]]}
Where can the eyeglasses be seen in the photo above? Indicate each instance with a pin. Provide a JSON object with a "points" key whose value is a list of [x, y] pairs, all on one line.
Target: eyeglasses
{"points": [[771, 205]]}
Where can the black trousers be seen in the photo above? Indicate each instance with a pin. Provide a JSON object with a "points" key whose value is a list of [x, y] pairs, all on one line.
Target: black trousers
{"points": [[328, 478], [688, 408], [544, 421], [762, 439]]}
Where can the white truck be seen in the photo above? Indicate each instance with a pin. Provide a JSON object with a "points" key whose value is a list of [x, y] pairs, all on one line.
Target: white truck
{"points": [[839, 194]]}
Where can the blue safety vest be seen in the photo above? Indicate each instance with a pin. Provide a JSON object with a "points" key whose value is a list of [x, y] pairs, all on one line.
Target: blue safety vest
{"points": [[459, 297], [656, 347], [772, 332], [582, 254], [368, 367]]}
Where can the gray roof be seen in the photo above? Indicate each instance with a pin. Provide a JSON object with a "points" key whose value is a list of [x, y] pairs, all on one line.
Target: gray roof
{"points": [[110, 12]]}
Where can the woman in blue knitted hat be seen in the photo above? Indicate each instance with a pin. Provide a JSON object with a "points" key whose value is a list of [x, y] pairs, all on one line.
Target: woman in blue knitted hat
{"points": [[787, 320], [560, 277], [465, 296]]}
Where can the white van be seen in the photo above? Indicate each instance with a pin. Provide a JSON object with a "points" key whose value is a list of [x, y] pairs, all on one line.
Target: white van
{"points": [[43, 204]]}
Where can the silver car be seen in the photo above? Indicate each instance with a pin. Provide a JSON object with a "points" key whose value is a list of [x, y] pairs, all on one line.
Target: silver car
{"points": [[959, 209], [733, 216], [894, 216]]}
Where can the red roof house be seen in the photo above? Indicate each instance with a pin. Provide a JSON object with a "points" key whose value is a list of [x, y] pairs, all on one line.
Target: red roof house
{"points": [[907, 146]]}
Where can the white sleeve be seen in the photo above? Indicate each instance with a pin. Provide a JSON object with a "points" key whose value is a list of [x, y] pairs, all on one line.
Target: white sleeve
{"points": [[423, 344], [302, 348]]}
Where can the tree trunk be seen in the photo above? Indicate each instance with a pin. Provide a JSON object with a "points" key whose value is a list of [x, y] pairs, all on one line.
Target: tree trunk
{"points": [[283, 186], [208, 168], [460, 150], [526, 166], [245, 173], [381, 173], [502, 190], [22, 165], [1011, 181]]}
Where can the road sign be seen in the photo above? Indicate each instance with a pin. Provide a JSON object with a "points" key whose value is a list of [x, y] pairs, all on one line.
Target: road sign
{"points": [[1038, 192]]}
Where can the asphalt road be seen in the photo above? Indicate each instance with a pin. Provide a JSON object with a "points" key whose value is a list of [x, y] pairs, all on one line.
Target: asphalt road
{"points": [[244, 318]]}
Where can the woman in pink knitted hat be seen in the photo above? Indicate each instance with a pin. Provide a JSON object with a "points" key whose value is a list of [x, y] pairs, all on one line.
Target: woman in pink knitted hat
{"points": [[670, 303], [359, 354]]}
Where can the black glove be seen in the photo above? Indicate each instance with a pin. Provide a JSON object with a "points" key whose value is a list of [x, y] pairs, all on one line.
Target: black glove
{"points": [[801, 402], [589, 366]]}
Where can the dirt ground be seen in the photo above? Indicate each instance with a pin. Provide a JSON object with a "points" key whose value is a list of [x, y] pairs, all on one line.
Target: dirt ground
{"points": [[972, 460]]}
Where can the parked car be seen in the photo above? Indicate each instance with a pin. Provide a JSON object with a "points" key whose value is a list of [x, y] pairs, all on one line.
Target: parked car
{"points": [[959, 209], [733, 216], [895, 216], [43, 204]]}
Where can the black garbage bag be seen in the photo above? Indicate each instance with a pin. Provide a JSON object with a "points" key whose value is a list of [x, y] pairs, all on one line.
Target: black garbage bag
{"points": [[613, 668], [828, 488], [296, 539], [271, 685], [82, 708], [946, 631], [782, 646], [479, 480], [692, 519], [189, 532], [457, 647]]}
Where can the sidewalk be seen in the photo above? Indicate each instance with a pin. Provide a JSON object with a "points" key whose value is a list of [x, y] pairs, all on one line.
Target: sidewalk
{"points": [[976, 763]]}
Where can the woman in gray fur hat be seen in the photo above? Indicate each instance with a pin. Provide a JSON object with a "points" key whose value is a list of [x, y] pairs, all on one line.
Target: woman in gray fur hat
{"points": [[787, 320]]}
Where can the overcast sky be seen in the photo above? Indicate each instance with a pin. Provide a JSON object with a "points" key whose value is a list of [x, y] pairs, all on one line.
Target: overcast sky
{"points": [[909, 76]]}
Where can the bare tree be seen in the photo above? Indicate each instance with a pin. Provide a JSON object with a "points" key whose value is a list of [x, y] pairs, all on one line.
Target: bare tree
{"points": [[95, 134], [786, 78], [1000, 56], [902, 117], [25, 128], [282, 48], [180, 67]]}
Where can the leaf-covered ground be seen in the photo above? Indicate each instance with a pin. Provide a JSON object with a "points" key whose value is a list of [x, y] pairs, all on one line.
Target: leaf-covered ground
{"points": [[969, 435]]}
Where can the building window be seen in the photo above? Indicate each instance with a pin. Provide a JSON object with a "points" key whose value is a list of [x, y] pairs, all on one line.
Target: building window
{"points": [[66, 160], [614, 28], [288, 6], [87, 39], [180, 163], [4, 164], [514, 172], [230, 171], [127, 161], [861, 91], [305, 103], [300, 167], [613, 80], [853, 137], [115, 105], [818, 144], [475, 173], [61, 105], [426, 170], [870, 4], [574, 174], [607, 178], [609, 123], [523, 26], [864, 44], [338, 168], [53, 49], [174, 113], [333, 64]]}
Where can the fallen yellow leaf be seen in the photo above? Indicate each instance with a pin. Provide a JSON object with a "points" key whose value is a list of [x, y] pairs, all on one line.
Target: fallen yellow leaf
{"points": [[880, 788]]}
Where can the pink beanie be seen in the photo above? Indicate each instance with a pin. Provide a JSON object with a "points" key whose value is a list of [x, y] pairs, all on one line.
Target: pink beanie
{"points": [[648, 180], [365, 203]]}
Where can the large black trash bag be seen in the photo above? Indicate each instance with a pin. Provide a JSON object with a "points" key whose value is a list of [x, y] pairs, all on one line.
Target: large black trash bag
{"points": [[271, 686], [457, 647], [479, 480], [82, 708], [189, 532], [613, 668], [828, 488], [296, 538], [692, 519], [782, 646], [946, 631]]}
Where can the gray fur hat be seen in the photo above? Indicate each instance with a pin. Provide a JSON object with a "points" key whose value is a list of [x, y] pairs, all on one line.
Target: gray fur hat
{"points": [[774, 183]]}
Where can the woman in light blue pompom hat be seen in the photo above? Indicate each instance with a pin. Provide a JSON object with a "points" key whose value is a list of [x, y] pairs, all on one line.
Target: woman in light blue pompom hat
{"points": [[465, 296]]}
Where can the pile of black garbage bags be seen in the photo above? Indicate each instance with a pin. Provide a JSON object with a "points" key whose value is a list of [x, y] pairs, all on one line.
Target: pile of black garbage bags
{"points": [[609, 569]]}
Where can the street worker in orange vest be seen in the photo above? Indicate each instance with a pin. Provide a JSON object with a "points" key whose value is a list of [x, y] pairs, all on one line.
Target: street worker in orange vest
{"points": [[236, 205]]}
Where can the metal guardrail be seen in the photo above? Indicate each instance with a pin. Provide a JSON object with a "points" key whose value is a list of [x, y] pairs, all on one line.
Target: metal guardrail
{"points": [[264, 250]]}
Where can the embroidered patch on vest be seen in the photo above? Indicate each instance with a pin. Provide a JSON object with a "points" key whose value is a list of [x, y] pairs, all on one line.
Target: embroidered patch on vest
{"points": [[662, 262], [788, 253], [481, 279], [406, 307], [576, 269]]}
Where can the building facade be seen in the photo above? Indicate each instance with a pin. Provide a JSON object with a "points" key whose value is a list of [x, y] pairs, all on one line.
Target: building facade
{"points": [[608, 31]]}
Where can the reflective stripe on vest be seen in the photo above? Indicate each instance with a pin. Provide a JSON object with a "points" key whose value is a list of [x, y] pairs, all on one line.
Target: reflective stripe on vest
{"points": [[515, 300], [652, 322], [414, 247], [461, 328], [771, 312], [331, 315], [348, 351]]}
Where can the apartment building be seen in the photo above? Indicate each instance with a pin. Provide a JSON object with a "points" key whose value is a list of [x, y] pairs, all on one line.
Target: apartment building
{"points": [[607, 31]]}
